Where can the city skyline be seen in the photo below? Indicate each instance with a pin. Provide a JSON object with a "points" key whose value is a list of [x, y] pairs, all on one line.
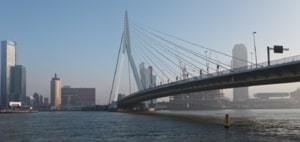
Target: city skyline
{"points": [[80, 40]]}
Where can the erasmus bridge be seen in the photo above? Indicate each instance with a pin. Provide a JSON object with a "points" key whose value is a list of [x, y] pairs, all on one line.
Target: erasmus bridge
{"points": [[178, 66]]}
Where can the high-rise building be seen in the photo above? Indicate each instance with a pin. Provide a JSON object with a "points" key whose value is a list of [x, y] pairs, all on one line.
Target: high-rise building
{"points": [[55, 91], [148, 80], [142, 74], [240, 62], [41, 101], [29, 101], [18, 84], [36, 100], [46, 102], [8, 60]]}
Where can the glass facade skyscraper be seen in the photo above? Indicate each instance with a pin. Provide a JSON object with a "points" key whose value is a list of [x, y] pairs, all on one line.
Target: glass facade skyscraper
{"points": [[8, 60], [18, 84]]}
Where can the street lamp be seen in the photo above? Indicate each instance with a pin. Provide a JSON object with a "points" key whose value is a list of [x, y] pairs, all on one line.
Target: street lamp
{"points": [[207, 70], [255, 48], [251, 55], [276, 49]]}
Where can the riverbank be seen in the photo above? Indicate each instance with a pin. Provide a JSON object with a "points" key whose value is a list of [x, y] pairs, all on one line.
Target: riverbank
{"points": [[17, 111]]}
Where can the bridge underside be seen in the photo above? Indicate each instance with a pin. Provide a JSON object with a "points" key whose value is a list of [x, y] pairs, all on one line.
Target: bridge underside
{"points": [[283, 73]]}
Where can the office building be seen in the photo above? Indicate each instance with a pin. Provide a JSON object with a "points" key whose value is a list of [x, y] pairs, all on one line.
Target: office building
{"points": [[78, 96], [36, 100], [41, 101], [46, 102], [240, 62], [148, 80], [8, 60], [29, 101], [55, 91], [18, 84]]}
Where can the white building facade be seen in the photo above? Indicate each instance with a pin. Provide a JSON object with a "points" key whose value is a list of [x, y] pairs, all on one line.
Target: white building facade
{"points": [[148, 80], [8, 60], [240, 62], [55, 91]]}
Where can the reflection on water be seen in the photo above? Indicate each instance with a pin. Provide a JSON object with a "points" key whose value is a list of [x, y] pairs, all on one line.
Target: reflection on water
{"points": [[247, 125], [277, 123]]}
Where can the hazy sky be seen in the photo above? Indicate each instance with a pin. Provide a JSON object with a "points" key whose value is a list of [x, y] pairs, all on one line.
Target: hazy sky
{"points": [[79, 39]]}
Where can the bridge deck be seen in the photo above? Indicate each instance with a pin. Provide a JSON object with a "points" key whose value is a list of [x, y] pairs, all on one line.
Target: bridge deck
{"points": [[280, 73]]}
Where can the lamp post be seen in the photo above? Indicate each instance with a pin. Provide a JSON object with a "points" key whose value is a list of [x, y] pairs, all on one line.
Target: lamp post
{"points": [[251, 55], [268, 52], [276, 49], [255, 49]]}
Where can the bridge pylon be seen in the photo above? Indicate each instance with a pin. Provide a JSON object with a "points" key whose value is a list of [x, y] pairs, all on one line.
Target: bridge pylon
{"points": [[125, 49]]}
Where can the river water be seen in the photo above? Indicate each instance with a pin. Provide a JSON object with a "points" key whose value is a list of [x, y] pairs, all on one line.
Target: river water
{"points": [[247, 125]]}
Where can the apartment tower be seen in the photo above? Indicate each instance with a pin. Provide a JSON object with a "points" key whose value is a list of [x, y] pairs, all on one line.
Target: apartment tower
{"points": [[55, 91]]}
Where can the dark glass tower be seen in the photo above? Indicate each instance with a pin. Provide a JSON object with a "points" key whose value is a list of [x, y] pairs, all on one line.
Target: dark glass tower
{"points": [[18, 84]]}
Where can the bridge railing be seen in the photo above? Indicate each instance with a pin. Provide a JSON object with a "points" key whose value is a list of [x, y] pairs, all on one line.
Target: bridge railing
{"points": [[226, 72], [283, 60], [272, 62], [249, 67]]}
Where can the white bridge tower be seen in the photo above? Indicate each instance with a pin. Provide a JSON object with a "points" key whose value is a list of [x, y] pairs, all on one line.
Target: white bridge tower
{"points": [[124, 49]]}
